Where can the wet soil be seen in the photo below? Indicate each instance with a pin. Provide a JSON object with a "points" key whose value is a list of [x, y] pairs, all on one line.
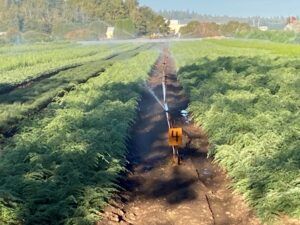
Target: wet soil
{"points": [[159, 192]]}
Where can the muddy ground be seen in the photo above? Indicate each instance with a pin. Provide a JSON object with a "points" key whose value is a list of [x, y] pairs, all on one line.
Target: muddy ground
{"points": [[157, 192]]}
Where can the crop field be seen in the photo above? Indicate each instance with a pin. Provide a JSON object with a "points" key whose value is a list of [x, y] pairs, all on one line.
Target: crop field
{"points": [[20, 101], [137, 112], [41, 170], [21, 64], [245, 95], [70, 115], [187, 53]]}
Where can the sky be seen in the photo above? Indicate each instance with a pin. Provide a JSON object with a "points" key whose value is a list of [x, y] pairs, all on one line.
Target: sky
{"points": [[243, 8]]}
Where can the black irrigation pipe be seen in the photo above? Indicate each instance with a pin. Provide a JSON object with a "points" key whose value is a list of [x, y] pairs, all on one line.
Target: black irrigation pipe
{"points": [[210, 209], [206, 191]]}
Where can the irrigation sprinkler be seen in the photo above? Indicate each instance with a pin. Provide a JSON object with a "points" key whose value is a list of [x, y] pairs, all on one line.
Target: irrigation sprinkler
{"points": [[175, 140], [175, 134]]}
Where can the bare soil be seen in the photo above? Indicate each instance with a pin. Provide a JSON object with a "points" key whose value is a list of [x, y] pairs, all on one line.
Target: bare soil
{"points": [[157, 192]]}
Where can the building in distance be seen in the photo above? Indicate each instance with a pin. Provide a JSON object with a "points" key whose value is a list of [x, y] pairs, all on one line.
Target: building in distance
{"points": [[110, 32], [293, 24], [175, 27]]}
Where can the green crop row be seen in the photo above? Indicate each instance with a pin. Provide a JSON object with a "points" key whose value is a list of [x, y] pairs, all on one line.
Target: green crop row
{"points": [[271, 48], [249, 106], [61, 168], [18, 66], [271, 35], [191, 51], [22, 102], [10, 49], [19, 103]]}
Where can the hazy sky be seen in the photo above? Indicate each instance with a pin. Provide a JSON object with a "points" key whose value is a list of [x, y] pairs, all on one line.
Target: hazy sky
{"points": [[230, 7]]}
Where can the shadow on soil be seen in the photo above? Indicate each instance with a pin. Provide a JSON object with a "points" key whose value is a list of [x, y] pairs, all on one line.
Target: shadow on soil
{"points": [[176, 189], [46, 181]]}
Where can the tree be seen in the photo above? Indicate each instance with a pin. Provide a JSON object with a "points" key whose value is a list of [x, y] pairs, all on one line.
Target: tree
{"points": [[233, 27], [209, 29], [124, 29], [48, 16], [149, 22], [159, 25], [199, 29]]}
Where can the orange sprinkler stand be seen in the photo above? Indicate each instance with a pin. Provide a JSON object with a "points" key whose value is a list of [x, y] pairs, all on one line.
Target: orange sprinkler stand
{"points": [[176, 160], [175, 136]]}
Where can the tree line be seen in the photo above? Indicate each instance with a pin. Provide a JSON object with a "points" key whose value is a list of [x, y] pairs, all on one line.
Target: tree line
{"points": [[276, 22], [60, 17], [237, 29], [210, 29]]}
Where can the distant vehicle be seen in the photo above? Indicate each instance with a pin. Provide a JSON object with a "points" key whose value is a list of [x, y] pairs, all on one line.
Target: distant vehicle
{"points": [[156, 36], [263, 28]]}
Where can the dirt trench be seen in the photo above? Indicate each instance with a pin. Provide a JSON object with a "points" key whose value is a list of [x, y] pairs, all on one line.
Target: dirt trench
{"points": [[157, 192]]}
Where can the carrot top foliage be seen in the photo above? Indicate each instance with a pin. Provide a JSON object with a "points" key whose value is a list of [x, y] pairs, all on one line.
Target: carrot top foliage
{"points": [[249, 106], [61, 168], [19, 64]]}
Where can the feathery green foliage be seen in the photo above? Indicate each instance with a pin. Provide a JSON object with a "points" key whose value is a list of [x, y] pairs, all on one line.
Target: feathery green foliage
{"points": [[186, 53], [20, 64], [63, 165], [249, 106], [22, 102], [270, 35], [18, 103]]}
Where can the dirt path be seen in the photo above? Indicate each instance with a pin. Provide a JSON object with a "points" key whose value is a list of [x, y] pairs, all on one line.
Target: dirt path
{"points": [[159, 193]]}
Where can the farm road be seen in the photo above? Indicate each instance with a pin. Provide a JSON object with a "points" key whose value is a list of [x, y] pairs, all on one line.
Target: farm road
{"points": [[159, 193]]}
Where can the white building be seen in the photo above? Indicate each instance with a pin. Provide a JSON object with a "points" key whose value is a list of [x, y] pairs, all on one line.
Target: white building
{"points": [[175, 26], [110, 32], [3, 33]]}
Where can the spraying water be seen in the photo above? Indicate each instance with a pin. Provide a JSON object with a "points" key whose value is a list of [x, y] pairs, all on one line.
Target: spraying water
{"points": [[123, 30], [164, 107]]}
